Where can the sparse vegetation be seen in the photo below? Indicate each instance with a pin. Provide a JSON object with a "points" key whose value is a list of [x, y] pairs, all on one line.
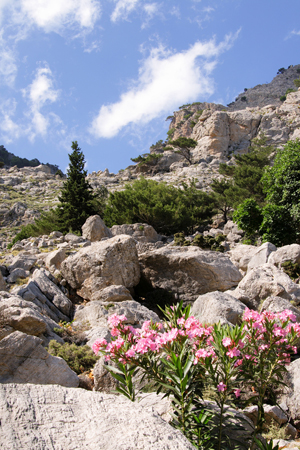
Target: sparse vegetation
{"points": [[80, 359]]}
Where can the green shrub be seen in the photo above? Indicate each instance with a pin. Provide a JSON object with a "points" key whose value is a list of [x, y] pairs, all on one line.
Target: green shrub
{"points": [[168, 209], [80, 359], [282, 98], [248, 216], [277, 225], [297, 82], [170, 133], [244, 98]]}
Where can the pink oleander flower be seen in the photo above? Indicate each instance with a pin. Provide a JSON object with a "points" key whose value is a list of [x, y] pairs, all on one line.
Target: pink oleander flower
{"points": [[130, 353], [115, 332], [201, 353], [239, 362], [221, 387], [226, 342], [237, 393], [99, 343], [181, 321], [115, 320], [233, 352], [287, 314]]}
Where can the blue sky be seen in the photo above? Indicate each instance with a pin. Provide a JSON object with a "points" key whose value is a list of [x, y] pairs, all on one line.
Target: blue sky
{"points": [[107, 73]]}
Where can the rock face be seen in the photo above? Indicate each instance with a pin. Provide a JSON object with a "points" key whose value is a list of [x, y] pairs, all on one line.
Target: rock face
{"points": [[261, 255], [105, 263], [2, 283], [95, 229], [142, 232], [188, 271], [24, 360], [290, 399], [35, 417], [216, 307], [264, 281]]}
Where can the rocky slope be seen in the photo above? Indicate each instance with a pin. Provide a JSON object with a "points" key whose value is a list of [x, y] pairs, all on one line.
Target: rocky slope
{"points": [[220, 132]]}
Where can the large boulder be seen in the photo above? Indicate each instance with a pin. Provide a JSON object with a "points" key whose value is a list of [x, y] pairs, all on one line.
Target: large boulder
{"points": [[188, 271], [142, 232], [285, 253], [104, 263], [24, 360], [265, 281], [95, 229], [75, 419], [216, 307], [22, 315], [261, 255], [52, 292]]}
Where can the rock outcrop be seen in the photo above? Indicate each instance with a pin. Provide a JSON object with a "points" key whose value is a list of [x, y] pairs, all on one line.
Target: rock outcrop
{"points": [[32, 416], [188, 271]]}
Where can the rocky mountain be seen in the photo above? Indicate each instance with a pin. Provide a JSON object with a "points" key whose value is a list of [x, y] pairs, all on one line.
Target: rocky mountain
{"points": [[62, 289]]}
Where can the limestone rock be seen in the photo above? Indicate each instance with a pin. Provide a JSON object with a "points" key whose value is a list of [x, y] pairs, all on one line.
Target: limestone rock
{"points": [[216, 307], [51, 415], [2, 283], [96, 313], [95, 229], [188, 271], [16, 274], [24, 360], [52, 292], [142, 232], [55, 258], [261, 255], [278, 304], [25, 262], [290, 398], [22, 316], [113, 294], [265, 281], [104, 263], [285, 253], [241, 255]]}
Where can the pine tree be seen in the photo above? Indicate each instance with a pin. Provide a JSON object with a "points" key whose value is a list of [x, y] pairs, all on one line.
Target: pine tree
{"points": [[77, 201]]}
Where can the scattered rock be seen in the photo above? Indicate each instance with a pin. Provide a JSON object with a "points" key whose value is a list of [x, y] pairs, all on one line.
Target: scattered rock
{"points": [[216, 307], [142, 232], [24, 360], [95, 229]]}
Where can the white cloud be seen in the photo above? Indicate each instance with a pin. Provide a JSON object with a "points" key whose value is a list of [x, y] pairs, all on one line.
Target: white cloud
{"points": [[38, 94], [9, 129], [8, 66], [175, 11], [54, 15], [151, 10], [166, 80], [293, 33], [123, 8]]}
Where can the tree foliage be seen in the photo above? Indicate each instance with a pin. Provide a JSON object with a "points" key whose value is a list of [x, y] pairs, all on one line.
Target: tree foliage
{"points": [[185, 145], [166, 208], [77, 200]]}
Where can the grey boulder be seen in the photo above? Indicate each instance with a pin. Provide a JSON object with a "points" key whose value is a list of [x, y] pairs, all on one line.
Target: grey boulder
{"points": [[216, 307], [95, 229], [188, 271], [110, 262], [24, 360], [56, 417]]}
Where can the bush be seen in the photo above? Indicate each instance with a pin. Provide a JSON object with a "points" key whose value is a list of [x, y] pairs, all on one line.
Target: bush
{"points": [[248, 216], [168, 209], [277, 225], [80, 359]]}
